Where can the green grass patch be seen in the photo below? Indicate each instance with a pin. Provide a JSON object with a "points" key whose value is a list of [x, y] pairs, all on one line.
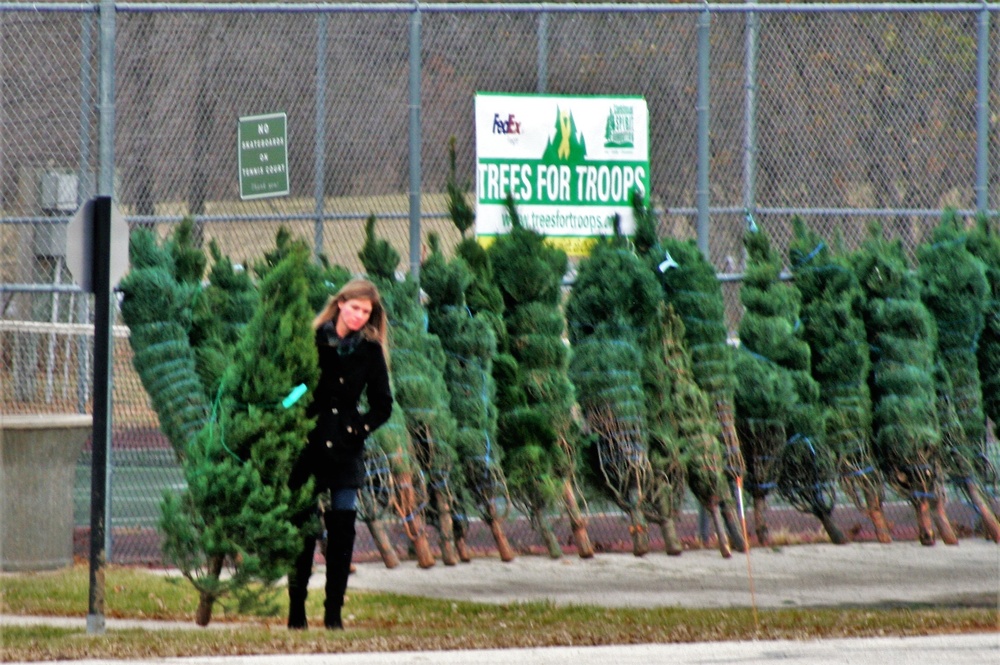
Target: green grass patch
{"points": [[389, 622]]}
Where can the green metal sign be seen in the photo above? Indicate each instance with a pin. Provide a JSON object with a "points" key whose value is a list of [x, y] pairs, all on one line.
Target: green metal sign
{"points": [[263, 156]]}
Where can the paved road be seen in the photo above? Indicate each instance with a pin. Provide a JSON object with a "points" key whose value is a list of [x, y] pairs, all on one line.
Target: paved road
{"points": [[976, 649], [866, 574]]}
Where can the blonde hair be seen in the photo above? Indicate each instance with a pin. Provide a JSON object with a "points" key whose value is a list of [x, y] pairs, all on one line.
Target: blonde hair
{"points": [[376, 329]]}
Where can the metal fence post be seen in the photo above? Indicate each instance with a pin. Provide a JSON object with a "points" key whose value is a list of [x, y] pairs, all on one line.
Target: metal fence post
{"points": [[543, 52], [983, 110], [750, 112], [84, 189], [319, 146], [106, 121], [100, 518], [703, 112], [415, 173]]}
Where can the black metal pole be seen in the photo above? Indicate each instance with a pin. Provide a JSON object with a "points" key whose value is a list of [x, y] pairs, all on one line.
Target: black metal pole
{"points": [[101, 438]]}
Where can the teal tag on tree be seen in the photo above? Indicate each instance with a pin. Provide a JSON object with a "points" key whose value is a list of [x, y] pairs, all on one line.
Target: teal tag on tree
{"points": [[294, 396]]}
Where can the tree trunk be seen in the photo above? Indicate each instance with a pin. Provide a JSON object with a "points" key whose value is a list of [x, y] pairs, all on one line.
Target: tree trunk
{"points": [[671, 541], [206, 600], [577, 522], [545, 531], [924, 529], [760, 519], [990, 525], [734, 527], [383, 544], [941, 521], [837, 536], [504, 549], [720, 530], [446, 527], [413, 520], [639, 532], [877, 516], [462, 548]]}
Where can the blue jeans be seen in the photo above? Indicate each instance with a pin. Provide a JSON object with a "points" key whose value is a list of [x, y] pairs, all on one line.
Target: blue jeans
{"points": [[343, 499]]}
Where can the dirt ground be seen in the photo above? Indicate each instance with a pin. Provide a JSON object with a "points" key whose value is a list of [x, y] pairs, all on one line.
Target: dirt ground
{"points": [[858, 574]]}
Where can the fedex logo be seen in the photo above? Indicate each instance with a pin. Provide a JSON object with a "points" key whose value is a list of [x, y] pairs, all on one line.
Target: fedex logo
{"points": [[508, 126]]}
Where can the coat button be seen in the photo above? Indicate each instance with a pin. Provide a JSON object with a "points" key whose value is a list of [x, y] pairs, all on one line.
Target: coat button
{"points": [[349, 430], [341, 379], [329, 444], [333, 411]]}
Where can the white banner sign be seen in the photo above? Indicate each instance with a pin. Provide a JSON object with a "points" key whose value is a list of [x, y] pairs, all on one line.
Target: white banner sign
{"points": [[570, 163]]}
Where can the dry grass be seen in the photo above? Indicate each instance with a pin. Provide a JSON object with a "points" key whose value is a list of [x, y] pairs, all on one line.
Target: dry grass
{"points": [[388, 622]]}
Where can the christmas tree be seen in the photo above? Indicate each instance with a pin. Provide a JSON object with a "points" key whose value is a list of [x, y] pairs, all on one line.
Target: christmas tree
{"points": [[834, 327], [901, 340], [323, 278], [955, 290], [236, 509], [613, 300], [418, 381], [158, 310], [691, 287], [536, 428], [777, 409], [469, 344], [685, 442], [221, 313], [394, 479], [984, 243]]}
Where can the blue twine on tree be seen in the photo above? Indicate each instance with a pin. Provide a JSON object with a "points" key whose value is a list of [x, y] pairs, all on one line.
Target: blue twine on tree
{"points": [[816, 250]]}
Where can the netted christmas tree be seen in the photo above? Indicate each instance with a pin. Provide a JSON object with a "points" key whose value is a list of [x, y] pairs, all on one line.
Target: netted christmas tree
{"points": [[394, 480], [613, 299], [777, 413], [221, 313], [955, 290], [469, 344], [421, 392], [984, 243], [323, 278], [691, 286], [230, 532], [833, 325], [685, 443], [157, 308], [535, 425], [901, 340]]}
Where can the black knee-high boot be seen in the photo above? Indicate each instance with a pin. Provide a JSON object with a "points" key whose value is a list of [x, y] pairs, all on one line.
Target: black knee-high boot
{"points": [[339, 550], [298, 584]]}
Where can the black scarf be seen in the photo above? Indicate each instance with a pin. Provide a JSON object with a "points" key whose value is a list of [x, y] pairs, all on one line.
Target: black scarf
{"points": [[327, 334]]}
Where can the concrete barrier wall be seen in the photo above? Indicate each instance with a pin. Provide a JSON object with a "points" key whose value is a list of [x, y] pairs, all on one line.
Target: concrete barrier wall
{"points": [[38, 455]]}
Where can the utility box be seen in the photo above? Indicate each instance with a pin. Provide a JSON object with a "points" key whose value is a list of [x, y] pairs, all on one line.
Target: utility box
{"points": [[58, 192], [57, 196]]}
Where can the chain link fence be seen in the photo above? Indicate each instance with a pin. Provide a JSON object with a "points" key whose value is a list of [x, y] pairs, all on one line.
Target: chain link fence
{"points": [[842, 116]]}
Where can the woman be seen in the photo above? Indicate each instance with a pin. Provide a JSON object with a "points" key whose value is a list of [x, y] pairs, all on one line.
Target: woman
{"points": [[351, 340]]}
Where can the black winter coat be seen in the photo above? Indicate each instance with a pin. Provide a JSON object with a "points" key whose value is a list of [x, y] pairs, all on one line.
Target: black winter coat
{"points": [[334, 453]]}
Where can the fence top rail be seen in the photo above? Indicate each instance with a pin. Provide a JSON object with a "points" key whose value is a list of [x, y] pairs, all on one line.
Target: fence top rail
{"points": [[507, 7]]}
